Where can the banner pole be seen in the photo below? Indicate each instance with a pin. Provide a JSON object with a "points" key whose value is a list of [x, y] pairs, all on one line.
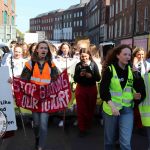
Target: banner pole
{"points": [[21, 116]]}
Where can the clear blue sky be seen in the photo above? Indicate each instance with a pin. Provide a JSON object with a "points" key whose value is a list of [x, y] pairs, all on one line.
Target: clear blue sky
{"points": [[26, 9]]}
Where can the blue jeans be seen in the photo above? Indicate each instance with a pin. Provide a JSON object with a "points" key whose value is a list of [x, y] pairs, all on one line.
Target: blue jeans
{"points": [[123, 123], [40, 125]]}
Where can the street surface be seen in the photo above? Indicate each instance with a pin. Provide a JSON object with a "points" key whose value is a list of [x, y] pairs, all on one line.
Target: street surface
{"points": [[58, 139]]}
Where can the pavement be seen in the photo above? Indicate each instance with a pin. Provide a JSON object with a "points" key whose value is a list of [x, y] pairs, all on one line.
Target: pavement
{"points": [[68, 139]]}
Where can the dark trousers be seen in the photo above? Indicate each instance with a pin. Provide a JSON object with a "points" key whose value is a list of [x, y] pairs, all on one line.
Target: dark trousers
{"points": [[86, 97]]}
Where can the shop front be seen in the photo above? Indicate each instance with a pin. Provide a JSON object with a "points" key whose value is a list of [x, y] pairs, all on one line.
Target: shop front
{"points": [[127, 41], [141, 41]]}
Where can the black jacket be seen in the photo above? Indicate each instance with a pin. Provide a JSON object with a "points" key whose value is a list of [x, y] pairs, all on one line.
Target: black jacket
{"points": [[82, 80]]}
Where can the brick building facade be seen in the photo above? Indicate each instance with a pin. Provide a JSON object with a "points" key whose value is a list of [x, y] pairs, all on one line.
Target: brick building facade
{"points": [[121, 21], [7, 20]]}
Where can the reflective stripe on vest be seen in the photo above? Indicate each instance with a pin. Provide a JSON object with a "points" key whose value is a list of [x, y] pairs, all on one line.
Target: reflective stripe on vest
{"points": [[127, 101], [120, 97], [118, 105], [115, 93], [144, 106], [40, 80], [145, 114]]}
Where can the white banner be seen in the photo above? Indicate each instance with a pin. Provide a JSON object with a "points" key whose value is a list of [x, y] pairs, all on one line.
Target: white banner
{"points": [[69, 63], [6, 99]]}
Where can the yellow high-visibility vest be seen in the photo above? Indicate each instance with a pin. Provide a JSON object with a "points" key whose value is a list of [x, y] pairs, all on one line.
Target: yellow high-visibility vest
{"points": [[144, 106], [120, 97]]}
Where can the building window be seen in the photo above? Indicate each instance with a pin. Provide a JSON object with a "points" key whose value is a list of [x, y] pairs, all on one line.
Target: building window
{"points": [[120, 27], [12, 20], [125, 3], [98, 13], [5, 2], [116, 28], [80, 33], [81, 23], [74, 35], [113, 10], [5, 17], [109, 31], [102, 30], [8, 19], [137, 21], [130, 24], [125, 25], [77, 23], [74, 23], [120, 5], [80, 13], [13, 5], [112, 31], [110, 12], [116, 6], [146, 19]]}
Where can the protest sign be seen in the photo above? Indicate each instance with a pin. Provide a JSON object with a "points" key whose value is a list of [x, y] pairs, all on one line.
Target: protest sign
{"points": [[43, 98], [6, 99]]}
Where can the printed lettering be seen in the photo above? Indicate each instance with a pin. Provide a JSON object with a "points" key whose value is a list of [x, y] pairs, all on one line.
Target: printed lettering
{"points": [[42, 92]]}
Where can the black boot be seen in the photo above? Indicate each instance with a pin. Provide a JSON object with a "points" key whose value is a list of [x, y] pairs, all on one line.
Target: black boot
{"points": [[36, 143]]}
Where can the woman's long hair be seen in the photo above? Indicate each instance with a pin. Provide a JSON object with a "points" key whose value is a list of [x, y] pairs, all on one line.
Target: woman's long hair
{"points": [[30, 48], [111, 56], [60, 52], [35, 56], [87, 51]]}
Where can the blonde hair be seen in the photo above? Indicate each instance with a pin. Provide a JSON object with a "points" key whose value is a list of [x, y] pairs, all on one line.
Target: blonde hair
{"points": [[94, 50], [136, 50]]}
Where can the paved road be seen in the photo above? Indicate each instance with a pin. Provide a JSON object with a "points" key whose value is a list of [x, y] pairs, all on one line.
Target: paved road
{"points": [[68, 140]]}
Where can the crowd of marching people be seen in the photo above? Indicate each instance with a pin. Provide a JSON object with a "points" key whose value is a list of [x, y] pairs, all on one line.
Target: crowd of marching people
{"points": [[122, 80]]}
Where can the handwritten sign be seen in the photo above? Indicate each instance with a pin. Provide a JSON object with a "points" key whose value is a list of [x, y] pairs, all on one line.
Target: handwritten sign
{"points": [[6, 99]]}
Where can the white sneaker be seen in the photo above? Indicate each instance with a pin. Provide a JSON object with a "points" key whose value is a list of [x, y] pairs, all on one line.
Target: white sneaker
{"points": [[61, 123]]}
